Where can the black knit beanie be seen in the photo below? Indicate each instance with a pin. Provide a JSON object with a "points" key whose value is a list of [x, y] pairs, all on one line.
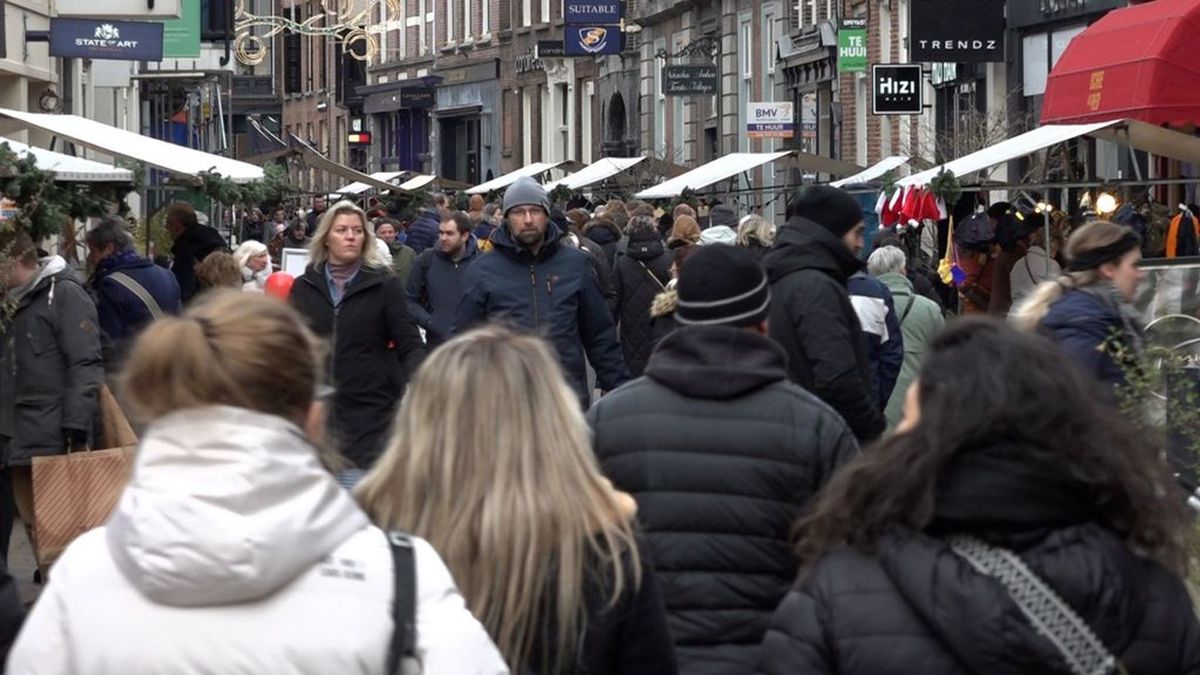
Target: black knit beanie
{"points": [[722, 285], [829, 207]]}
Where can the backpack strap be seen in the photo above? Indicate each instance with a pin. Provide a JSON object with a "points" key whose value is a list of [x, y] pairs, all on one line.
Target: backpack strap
{"points": [[912, 300], [404, 601], [130, 284]]}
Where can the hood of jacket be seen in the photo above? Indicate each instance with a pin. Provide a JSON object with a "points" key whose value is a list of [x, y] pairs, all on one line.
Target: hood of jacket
{"points": [[602, 232], [502, 241], [665, 302], [123, 260], [803, 244], [716, 362], [50, 270], [226, 506], [644, 246], [896, 283], [718, 234]]}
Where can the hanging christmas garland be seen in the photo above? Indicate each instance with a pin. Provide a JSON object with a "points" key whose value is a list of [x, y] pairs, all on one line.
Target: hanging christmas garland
{"points": [[945, 186]]}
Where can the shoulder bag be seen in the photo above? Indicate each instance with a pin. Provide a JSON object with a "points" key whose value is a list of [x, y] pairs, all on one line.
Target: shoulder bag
{"points": [[402, 652]]}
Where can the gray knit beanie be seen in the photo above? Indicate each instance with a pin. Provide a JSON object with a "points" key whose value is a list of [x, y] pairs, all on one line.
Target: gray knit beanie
{"points": [[526, 191]]}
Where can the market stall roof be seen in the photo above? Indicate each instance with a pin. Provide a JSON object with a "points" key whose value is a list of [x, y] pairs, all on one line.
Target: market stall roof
{"points": [[1134, 133], [314, 158], [510, 178], [71, 169], [1138, 62], [120, 143], [597, 172], [357, 188], [810, 163], [872, 172], [715, 171]]}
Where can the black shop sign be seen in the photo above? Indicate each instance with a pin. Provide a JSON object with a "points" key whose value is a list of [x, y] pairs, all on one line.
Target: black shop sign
{"points": [[963, 31], [690, 80], [896, 90]]}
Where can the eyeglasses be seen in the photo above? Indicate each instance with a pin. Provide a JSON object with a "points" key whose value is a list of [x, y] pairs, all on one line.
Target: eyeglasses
{"points": [[524, 211]]}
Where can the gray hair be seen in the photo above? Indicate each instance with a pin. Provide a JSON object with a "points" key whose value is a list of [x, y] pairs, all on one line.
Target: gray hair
{"points": [[110, 231], [886, 260]]}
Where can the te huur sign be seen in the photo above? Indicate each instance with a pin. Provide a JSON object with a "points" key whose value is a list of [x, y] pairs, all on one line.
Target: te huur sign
{"points": [[689, 80], [852, 46]]}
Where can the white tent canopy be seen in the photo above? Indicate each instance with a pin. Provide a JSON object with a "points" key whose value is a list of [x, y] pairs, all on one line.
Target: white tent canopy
{"points": [[120, 143], [357, 188], [510, 178], [872, 172], [418, 182], [597, 172], [68, 168], [715, 171]]}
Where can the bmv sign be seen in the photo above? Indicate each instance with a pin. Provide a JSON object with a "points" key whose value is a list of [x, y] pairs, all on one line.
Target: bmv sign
{"points": [[100, 39]]}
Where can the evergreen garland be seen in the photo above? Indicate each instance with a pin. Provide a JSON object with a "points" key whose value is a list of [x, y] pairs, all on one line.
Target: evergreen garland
{"points": [[946, 186]]}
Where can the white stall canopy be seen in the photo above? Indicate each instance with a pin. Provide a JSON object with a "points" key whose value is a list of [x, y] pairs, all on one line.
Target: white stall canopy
{"points": [[71, 169], [357, 188], [597, 172], [418, 182], [872, 172], [120, 143], [507, 179], [715, 171]]}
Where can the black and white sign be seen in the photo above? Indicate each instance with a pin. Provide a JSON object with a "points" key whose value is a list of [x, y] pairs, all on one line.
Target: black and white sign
{"points": [[103, 39], [964, 31], [689, 80], [896, 90]]}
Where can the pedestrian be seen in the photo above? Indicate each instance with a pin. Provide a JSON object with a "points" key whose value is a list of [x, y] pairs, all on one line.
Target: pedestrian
{"points": [[219, 269], [812, 316], [919, 274], [255, 261], [436, 285], [230, 529], [605, 232], [1034, 268], [252, 226], [475, 208], [313, 217], [387, 231], [876, 310], [276, 225], [492, 217], [509, 493], [920, 320], [1004, 463], [721, 452], [192, 242], [508, 284], [131, 291], [684, 231], [756, 234], [640, 275], [1088, 312], [423, 232], [722, 215], [51, 360], [363, 312], [1012, 240]]}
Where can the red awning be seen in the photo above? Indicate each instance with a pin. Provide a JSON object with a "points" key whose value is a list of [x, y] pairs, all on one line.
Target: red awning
{"points": [[1140, 62]]}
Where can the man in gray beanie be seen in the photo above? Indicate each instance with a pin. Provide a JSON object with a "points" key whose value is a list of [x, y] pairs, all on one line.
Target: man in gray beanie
{"points": [[532, 279]]}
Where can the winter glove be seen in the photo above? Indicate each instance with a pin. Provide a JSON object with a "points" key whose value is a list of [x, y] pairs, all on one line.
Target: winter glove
{"points": [[75, 439]]}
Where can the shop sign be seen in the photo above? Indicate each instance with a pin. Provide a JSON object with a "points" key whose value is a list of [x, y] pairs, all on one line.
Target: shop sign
{"points": [[101, 39], [528, 62], [852, 46], [591, 12], [691, 80], [592, 40], [417, 97], [896, 89], [770, 120], [964, 31], [1023, 13], [181, 37], [546, 49]]}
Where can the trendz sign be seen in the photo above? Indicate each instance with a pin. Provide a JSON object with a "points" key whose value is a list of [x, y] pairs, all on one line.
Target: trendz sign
{"points": [[113, 40], [964, 31]]}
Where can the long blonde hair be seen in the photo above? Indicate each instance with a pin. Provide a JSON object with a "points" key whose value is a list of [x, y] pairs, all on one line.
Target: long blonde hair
{"points": [[755, 228], [490, 461], [317, 251]]}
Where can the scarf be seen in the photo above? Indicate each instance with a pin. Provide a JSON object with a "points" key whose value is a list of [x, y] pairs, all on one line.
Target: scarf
{"points": [[339, 276]]}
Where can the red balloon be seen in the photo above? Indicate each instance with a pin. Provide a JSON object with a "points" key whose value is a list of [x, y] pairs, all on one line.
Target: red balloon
{"points": [[279, 284]]}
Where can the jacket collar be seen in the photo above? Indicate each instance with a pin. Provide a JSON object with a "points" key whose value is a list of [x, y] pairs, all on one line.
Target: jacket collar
{"points": [[803, 244], [472, 250], [367, 277], [716, 362]]}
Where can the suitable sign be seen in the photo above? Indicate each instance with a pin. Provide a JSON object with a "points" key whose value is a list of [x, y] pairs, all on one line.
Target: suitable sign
{"points": [[592, 40], [770, 120], [550, 48], [112, 40], [896, 90], [852, 46], [964, 31], [417, 97], [181, 37], [591, 12], [692, 80]]}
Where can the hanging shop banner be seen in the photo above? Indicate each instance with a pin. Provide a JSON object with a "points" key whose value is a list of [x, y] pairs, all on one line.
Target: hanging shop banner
{"points": [[896, 90], [592, 40], [963, 31], [112, 40], [852, 46], [591, 12], [770, 120], [692, 80], [181, 37]]}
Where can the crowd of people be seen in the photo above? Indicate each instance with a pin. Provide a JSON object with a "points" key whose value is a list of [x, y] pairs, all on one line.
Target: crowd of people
{"points": [[601, 438]]}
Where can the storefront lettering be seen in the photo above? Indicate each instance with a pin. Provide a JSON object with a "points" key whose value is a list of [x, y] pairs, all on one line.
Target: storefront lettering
{"points": [[1095, 89], [989, 45], [528, 62], [1052, 7]]}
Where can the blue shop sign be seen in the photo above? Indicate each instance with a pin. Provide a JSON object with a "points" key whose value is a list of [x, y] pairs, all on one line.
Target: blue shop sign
{"points": [[103, 39], [592, 12], [592, 40]]}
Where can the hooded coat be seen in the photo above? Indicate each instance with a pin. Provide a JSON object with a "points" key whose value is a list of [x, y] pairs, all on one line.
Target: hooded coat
{"points": [[721, 452], [193, 246], [813, 319], [641, 274], [233, 551], [423, 232], [434, 288], [555, 292], [1082, 321], [911, 605], [607, 235]]}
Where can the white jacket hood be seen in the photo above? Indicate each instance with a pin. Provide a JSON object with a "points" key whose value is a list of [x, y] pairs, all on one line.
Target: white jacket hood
{"points": [[226, 505]]}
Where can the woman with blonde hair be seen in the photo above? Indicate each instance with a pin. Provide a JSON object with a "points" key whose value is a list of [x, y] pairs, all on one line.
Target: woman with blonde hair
{"points": [[490, 460], [361, 308], [255, 261], [756, 234], [232, 550], [1088, 310]]}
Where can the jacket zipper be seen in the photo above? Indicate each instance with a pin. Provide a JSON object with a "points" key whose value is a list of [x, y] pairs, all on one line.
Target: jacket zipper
{"points": [[534, 289]]}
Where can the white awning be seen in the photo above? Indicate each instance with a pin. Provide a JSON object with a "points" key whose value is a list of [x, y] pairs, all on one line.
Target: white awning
{"points": [[357, 188], [68, 168], [509, 178], [314, 158], [715, 171], [597, 172], [120, 143], [872, 172], [417, 182]]}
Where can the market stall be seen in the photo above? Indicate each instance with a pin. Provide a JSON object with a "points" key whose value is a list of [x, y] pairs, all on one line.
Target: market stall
{"points": [[881, 168], [533, 170], [596, 173], [68, 168]]}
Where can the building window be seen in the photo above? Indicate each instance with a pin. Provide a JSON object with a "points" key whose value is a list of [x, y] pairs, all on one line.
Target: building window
{"points": [[744, 48], [545, 11], [660, 103], [564, 129], [744, 83], [466, 21], [768, 86], [214, 19], [485, 11], [449, 21], [526, 12]]}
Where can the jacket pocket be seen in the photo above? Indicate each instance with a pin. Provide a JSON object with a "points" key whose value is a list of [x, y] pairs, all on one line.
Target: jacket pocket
{"points": [[37, 424], [39, 335]]}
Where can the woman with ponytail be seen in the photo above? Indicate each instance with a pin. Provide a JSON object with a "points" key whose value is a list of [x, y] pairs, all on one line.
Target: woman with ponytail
{"points": [[1087, 311]]}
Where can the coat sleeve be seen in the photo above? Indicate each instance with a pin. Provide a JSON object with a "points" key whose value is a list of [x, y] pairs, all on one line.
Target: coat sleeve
{"points": [[79, 340], [608, 278], [891, 353], [417, 292], [472, 307], [108, 309], [403, 332], [838, 446], [645, 639], [795, 641], [599, 335]]}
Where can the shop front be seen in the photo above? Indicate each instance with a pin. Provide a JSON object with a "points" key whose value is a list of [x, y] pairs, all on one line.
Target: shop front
{"points": [[401, 123], [467, 123]]}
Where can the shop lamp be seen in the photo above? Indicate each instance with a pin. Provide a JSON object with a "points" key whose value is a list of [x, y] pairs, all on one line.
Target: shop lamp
{"points": [[1106, 203]]}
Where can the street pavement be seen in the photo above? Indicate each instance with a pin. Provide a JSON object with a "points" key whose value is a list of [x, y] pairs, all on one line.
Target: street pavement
{"points": [[21, 565]]}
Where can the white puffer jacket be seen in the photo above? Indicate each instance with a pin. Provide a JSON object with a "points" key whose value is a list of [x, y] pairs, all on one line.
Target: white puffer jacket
{"points": [[232, 551]]}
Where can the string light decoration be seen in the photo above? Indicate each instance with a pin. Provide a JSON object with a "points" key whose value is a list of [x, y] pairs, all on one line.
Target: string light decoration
{"points": [[350, 25]]}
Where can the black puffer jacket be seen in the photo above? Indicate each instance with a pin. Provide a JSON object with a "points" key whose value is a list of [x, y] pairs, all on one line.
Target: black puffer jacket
{"points": [[913, 606], [812, 318], [721, 452], [641, 274], [606, 234]]}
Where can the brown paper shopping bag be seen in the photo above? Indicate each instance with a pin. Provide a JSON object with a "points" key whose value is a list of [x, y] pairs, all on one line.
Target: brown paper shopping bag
{"points": [[74, 493]]}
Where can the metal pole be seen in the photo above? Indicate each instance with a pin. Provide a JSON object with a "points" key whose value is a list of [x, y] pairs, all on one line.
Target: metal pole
{"points": [[1046, 239]]}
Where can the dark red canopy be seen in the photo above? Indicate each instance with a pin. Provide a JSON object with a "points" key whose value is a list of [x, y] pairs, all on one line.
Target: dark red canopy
{"points": [[1141, 62]]}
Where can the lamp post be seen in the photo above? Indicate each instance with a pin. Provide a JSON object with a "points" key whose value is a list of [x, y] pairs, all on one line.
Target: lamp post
{"points": [[707, 46]]}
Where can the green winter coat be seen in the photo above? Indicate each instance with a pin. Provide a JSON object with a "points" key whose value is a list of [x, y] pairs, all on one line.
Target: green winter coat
{"points": [[920, 319], [402, 260]]}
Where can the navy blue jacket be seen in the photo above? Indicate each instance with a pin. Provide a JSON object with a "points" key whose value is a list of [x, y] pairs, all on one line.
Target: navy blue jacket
{"points": [[435, 286], [1080, 323], [556, 293], [877, 313], [423, 232], [122, 314]]}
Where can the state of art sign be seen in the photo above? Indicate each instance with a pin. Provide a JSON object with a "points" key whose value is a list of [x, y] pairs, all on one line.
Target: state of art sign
{"points": [[112, 40], [700, 80]]}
